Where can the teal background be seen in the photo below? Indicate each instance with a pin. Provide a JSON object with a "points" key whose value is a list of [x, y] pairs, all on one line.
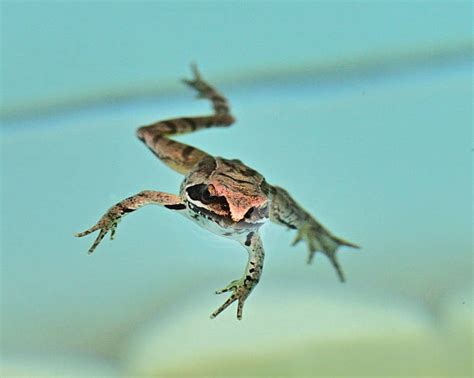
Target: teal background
{"points": [[362, 110]]}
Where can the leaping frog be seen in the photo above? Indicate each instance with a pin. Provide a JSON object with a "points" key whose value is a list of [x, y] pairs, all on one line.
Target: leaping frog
{"points": [[221, 195]]}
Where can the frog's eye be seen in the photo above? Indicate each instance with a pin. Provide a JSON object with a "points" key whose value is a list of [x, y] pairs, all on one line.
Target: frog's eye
{"points": [[206, 196], [200, 193], [224, 205]]}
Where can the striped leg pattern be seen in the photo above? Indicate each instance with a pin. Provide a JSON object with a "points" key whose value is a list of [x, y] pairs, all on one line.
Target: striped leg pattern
{"points": [[179, 156]]}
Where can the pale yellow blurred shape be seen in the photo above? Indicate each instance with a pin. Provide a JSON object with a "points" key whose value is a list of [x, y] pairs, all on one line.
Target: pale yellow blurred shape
{"points": [[54, 365], [305, 333], [457, 327]]}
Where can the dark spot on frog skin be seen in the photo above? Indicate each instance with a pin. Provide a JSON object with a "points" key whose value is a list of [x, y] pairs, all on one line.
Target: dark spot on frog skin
{"points": [[156, 138], [249, 239], [187, 151], [249, 279], [192, 124], [282, 221], [171, 126], [178, 206]]}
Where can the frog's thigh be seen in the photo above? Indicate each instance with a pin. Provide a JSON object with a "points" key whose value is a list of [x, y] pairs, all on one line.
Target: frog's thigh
{"points": [[178, 156]]}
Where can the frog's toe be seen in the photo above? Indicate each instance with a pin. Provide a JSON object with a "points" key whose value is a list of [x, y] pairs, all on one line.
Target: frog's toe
{"points": [[113, 229], [105, 224], [97, 241], [189, 82], [226, 304], [236, 296], [195, 71], [196, 76], [311, 254], [240, 294], [328, 245], [298, 238], [337, 267], [87, 232], [229, 287]]}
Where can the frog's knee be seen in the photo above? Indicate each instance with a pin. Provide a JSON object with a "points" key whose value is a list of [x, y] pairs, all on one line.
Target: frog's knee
{"points": [[141, 131]]}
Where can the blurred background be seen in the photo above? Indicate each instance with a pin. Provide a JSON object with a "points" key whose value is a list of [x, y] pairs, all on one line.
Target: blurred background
{"points": [[361, 110]]}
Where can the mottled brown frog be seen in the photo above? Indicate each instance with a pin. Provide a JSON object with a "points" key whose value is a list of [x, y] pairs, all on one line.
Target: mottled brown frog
{"points": [[221, 195]]}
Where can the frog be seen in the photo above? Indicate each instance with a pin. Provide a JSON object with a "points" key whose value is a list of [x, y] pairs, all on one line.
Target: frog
{"points": [[223, 196]]}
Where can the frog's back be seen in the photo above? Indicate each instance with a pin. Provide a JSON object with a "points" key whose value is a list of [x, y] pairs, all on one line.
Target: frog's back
{"points": [[236, 172], [228, 172]]}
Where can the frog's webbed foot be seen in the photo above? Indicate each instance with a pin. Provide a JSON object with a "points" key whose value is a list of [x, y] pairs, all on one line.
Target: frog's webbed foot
{"points": [[107, 223], [207, 91], [317, 239], [240, 291], [198, 83]]}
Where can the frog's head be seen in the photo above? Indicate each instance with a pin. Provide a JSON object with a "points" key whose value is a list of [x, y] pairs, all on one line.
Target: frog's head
{"points": [[228, 191], [221, 200]]}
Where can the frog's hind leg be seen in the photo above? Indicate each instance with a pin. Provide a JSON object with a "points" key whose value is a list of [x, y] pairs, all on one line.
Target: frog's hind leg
{"points": [[286, 211], [179, 156]]}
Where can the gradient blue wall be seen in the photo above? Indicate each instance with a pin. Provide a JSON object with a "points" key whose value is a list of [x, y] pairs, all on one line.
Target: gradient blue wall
{"points": [[362, 110]]}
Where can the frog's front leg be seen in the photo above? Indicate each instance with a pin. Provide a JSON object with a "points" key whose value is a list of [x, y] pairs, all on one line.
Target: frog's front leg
{"points": [[241, 288], [286, 211], [110, 220]]}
